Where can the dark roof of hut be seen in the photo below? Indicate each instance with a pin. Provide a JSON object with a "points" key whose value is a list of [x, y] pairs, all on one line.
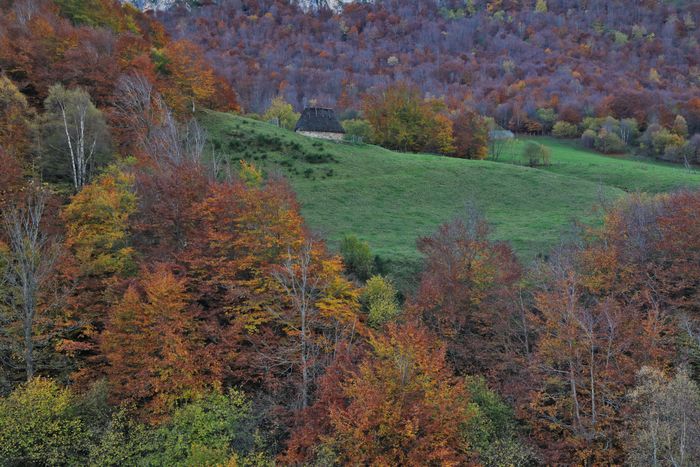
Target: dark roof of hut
{"points": [[319, 119]]}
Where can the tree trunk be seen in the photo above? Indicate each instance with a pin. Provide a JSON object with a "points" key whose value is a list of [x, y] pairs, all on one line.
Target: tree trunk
{"points": [[29, 344]]}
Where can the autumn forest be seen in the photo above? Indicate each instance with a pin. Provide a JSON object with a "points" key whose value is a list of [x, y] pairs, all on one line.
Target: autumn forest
{"points": [[165, 300]]}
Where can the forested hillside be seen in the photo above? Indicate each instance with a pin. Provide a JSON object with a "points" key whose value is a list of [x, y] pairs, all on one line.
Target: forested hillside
{"points": [[506, 58], [91, 43], [167, 298]]}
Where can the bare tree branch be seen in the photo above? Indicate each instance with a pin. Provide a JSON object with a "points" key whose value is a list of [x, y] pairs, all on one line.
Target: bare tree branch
{"points": [[32, 258]]}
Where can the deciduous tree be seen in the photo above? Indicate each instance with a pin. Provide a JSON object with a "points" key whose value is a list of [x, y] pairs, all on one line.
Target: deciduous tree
{"points": [[153, 342], [31, 259], [191, 81], [470, 135], [583, 355], [320, 313], [282, 113], [15, 120], [465, 291], [75, 139], [665, 424], [100, 254], [401, 405], [402, 119], [357, 257], [39, 425]]}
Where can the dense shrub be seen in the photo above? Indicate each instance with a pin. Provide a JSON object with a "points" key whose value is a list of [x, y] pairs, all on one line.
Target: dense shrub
{"points": [[210, 431], [608, 142], [357, 257], [492, 430], [563, 129], [679, 153], [592, 123], [217, 429], [357, 130], [664, 140], [39, 426], [379, 299], [536, 154]]}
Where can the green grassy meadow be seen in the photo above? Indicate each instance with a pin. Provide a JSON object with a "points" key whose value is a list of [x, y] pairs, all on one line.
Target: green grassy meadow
{"points": [[390, 199], [621, 171]]}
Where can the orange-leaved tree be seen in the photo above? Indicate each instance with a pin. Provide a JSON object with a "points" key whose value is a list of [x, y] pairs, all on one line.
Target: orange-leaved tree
{"points": [[98, 240], [153, 344], [190, 81], [11, 179], [317, 315], [605, 310], [399, 406], [471, 135], [244, 228], [277, 303], [468, 295], [585, 358], [402, 119], [15, 120]]}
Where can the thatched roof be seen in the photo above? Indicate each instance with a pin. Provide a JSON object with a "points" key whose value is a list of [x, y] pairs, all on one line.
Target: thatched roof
{"points": [[319, 119]]}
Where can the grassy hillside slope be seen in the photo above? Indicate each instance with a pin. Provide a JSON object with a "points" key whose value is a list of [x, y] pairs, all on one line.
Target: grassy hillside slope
{"points": [[390, 199], [624, 171]]}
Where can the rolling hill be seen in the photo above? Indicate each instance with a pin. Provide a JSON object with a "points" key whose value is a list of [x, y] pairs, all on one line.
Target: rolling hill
{"points": [[390, 199], [621, 171]]}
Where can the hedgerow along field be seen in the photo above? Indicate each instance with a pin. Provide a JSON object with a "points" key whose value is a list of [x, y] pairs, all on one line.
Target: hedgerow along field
{"points": [[390, 199]]}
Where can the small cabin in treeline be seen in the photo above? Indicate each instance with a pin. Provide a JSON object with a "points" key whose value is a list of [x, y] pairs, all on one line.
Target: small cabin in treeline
{"points": [[318, 122]]}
